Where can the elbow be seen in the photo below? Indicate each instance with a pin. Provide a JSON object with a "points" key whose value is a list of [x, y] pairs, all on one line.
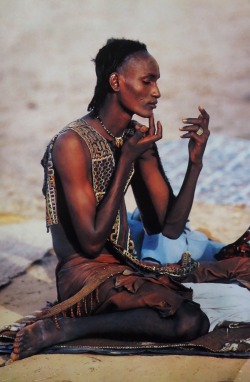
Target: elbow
{"points": [[172, 236], [91, 250], [171, 233], [152, 231], [92, 244]]}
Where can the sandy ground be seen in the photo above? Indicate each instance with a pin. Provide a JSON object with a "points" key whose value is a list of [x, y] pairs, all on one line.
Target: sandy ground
{"points": [[47, 80]]}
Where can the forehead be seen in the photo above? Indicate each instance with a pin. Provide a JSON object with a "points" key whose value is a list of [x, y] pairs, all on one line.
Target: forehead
{"points": [[141, 64]]}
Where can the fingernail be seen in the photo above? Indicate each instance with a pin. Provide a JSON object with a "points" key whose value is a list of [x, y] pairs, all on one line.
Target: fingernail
{"points": [[144, 129], [184, 120]]}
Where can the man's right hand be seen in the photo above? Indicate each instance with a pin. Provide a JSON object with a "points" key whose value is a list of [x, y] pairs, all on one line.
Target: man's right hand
{"points": [[142, 140]]}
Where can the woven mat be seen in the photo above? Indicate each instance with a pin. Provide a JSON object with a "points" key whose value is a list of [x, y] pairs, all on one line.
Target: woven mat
{"points": [[225, 177], [228, 339]]}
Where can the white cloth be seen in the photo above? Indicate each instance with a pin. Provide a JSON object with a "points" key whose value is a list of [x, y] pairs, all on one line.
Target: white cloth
{"points": [[222, 302]]}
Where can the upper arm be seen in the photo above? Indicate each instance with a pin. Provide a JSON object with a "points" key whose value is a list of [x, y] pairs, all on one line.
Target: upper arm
{"points": [[72, 161]]}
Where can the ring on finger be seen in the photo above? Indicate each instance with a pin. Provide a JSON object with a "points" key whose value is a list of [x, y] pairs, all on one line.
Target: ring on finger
{"points": [[200, 131]]}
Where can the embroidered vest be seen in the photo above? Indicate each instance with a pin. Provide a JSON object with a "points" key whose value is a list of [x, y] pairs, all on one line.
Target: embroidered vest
{"points": [[103, 166]]}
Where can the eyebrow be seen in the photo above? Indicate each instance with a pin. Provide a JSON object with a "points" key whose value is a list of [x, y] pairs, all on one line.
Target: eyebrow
{"points": [[152, 76]]}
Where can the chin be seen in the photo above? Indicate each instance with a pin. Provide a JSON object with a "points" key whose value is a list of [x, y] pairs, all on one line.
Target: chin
{"points": [[145, 114]]}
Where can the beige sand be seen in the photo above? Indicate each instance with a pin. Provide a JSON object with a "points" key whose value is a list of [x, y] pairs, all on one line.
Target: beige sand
{"points": [[47, 80]]}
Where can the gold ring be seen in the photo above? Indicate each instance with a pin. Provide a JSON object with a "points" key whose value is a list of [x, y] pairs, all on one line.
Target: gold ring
{"points": [[200, 131]]}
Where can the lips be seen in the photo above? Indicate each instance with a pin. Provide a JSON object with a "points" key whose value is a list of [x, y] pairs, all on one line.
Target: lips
{"points": [[153, 104]]}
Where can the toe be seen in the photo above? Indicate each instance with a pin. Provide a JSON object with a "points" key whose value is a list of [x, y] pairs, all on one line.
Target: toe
{"points": [[14, 357]]}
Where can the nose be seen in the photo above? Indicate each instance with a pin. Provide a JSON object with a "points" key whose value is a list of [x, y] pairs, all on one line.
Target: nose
{"points": [[156, 91]]}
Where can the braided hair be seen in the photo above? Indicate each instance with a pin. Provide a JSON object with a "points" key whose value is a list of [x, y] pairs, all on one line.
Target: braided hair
{"points": [[109, 58]]}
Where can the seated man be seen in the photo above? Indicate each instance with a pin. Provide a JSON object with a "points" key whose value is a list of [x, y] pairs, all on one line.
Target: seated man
{"points": [[103, 288]]}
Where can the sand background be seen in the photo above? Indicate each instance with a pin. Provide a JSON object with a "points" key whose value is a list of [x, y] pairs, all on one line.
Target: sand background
{"points": [[47, 79]]}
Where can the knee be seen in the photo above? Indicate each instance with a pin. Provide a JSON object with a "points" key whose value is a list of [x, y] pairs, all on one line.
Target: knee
{"points": [[192, 322]]}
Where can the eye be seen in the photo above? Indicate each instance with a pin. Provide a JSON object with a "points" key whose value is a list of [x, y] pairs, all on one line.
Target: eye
{"points": [[146, 82]]}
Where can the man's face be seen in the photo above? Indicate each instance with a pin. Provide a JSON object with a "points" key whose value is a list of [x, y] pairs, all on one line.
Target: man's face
{"points": [[139, 91]]}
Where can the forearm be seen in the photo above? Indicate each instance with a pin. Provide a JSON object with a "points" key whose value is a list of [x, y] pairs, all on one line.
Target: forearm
{"points": [[177, 216], [152, 190], [107, 209], [93, 238]]}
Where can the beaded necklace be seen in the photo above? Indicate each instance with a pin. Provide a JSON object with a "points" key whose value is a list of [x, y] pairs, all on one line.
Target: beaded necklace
{"points": [[118, 140]]}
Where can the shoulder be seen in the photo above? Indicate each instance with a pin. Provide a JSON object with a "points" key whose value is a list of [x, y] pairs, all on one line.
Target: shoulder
{"points": [[72, 135], [67, 141], [71, 148]]}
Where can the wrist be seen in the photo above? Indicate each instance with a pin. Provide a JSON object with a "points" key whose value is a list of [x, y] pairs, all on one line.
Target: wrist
{"points": [[149, 153], [125, 163], [196, 165]]}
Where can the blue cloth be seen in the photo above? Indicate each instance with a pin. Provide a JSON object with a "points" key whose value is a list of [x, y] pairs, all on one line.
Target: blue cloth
{"points": [[162, 250]]}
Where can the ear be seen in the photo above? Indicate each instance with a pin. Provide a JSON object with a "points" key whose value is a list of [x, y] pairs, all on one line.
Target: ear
{"points": [[114, 81]]}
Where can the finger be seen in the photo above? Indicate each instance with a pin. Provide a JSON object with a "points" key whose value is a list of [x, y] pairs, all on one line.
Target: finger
{"points": [[150, 139], [153, 138], [193, 136], [140, 134], [203, 112], [142, 128], [138, 126], [137, 136], [151, 124], [190, 128], [192, 121], [159, 130]]}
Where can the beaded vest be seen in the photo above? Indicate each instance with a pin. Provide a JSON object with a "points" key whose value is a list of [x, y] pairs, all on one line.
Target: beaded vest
{"points": [[103, 166]]}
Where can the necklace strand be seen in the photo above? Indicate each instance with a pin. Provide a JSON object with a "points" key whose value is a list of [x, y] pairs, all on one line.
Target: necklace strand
{"points": [[118, 140]]}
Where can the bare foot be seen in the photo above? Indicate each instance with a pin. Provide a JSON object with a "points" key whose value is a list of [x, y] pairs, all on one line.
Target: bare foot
{"points": [[38, 336]]}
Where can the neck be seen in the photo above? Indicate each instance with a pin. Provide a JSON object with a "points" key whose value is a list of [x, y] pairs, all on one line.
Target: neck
{"points": [[115, 119]]}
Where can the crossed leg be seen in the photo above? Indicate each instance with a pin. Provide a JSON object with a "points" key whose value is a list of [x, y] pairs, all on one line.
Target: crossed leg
{"points": [[187, 323]]}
